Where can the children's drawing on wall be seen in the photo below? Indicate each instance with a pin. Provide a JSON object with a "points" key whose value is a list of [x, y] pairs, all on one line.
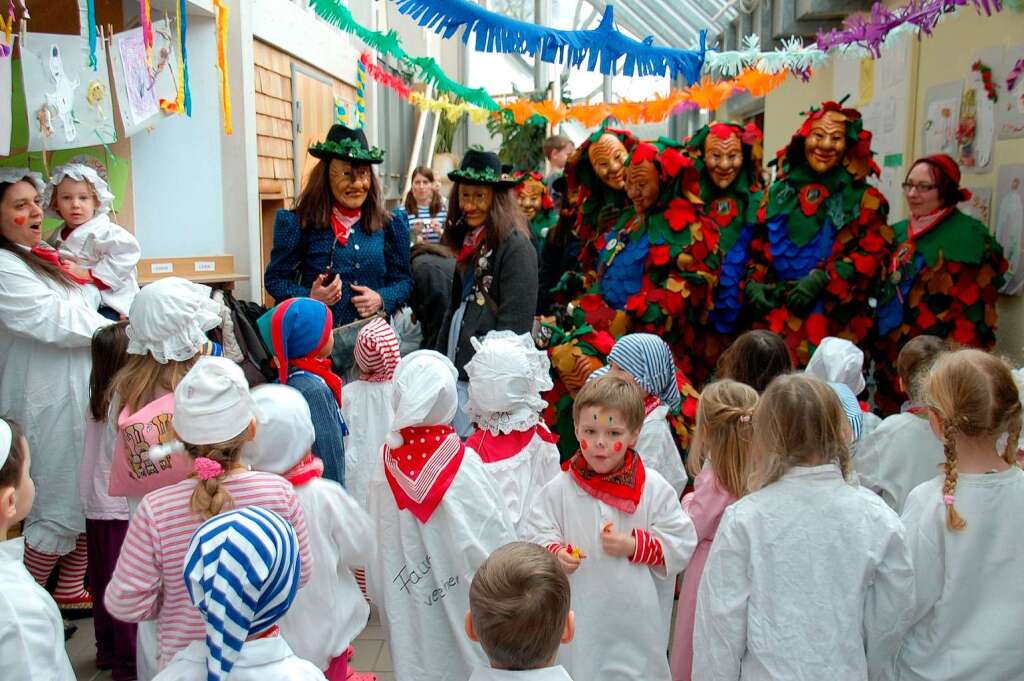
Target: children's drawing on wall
{"points": [[942, 116], [1010, 223], [1009, 78], [979, 206], [976, 131], [68, 104], [140, 84]]}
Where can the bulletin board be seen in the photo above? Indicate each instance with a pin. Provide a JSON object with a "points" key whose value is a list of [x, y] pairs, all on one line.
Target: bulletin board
{"points": [[881, 89]]}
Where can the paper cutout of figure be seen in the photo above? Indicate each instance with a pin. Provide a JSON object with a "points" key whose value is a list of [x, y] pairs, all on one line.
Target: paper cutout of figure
{"points": [[63, 97]]}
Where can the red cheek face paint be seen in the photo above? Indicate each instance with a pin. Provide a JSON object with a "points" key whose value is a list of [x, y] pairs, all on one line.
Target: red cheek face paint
{"points": [[617, 447], [20, 220], [584, 445]]}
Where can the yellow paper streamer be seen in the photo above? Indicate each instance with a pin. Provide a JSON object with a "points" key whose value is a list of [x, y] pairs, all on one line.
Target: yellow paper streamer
{"points": [[222, 63], [449, 109]]}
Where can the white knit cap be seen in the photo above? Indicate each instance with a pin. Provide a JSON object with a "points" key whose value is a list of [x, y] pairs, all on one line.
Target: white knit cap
{"points": [[212, 403], [506, 377], [424, 394], [838, 361], [285, 435], [169, 319], [12, 175], [81, 173]]}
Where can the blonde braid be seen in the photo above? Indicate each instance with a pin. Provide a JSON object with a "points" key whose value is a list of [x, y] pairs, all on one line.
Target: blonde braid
{"points": [[1013, 435], [209, 497], [953, 519]]}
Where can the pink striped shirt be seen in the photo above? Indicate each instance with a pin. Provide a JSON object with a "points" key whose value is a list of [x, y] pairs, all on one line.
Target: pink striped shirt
{"points": [[147, 582]]}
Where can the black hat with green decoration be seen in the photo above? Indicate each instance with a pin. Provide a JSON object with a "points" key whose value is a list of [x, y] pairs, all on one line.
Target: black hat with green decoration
{"points": [[346, 144], [481, 167]]}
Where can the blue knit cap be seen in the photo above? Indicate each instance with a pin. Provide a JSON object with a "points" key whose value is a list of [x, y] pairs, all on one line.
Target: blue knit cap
{"points": [[242, 574]]}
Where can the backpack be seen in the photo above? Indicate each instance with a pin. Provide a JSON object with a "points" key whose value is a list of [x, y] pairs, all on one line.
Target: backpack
{"points": [[256, 357]]}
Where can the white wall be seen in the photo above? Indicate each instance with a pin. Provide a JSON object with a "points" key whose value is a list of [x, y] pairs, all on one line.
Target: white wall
{"points": [[176, 168], [296, 30]]}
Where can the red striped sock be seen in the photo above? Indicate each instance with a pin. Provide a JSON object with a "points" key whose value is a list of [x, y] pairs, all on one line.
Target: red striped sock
{"points": [[71, 580], [40, 564], [360, 575]]}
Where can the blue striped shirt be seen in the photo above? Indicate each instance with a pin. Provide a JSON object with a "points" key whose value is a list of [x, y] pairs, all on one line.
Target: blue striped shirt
{"points": [[429, 227]]}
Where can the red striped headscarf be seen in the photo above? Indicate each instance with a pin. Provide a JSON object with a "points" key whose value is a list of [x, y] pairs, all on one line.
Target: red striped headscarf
{"points": [[376, 351]]}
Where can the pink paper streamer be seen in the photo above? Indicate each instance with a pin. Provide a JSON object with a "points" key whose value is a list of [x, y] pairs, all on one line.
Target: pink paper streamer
{"points": [[1015, 73]]}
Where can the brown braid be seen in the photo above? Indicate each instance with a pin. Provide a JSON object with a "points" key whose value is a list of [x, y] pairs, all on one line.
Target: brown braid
{"points": [[209, 497], [953, 519], [1013, 435]]}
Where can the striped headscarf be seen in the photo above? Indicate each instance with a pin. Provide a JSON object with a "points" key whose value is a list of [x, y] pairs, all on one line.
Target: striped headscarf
{"points": [[648, 359], [850, 406], [376, 352], [241, 573]]}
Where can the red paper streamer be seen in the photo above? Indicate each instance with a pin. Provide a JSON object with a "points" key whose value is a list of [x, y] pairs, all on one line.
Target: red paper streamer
{"points": [[384, 78]]}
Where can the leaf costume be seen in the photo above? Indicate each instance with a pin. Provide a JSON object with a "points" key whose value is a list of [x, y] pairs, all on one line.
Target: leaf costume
{"points": [[600, 205], [821, 239]]}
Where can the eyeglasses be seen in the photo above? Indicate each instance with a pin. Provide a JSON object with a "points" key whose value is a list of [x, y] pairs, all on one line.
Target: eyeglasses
{"points": [[922, 188]]}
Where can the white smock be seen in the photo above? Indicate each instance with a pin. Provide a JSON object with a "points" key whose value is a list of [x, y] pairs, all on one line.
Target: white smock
{"points": [[368, 412], [623, 609], [556, 673], [330, 611], [808, 578], [970, 596], [264, 659], [900, 454], [45, 359], [419, 576], [31, 630], [110, 252], [658, 449], [522, 476]]}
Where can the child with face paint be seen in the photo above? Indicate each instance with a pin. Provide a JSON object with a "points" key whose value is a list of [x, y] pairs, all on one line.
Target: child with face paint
{"points": [[646, 360], [618, 530], [81, 198]]}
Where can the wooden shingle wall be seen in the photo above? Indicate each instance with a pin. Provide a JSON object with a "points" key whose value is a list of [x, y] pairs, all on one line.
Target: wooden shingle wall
{"points": [[274, 121]]}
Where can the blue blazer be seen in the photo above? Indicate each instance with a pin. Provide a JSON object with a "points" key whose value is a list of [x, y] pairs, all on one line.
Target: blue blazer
{"points": [[379, 261]]}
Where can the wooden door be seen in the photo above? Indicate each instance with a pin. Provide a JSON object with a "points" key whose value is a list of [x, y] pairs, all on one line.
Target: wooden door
{"points": [[312, 116]]}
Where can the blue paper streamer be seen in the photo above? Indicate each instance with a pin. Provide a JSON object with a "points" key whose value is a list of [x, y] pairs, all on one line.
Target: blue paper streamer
{"points": [[601, 48], [184, 57], [91, 13]]}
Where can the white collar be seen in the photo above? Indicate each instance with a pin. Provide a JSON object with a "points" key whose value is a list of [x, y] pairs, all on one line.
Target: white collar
{"points": [[556, 673], [254, 653], [12, 550], [827, 471]]}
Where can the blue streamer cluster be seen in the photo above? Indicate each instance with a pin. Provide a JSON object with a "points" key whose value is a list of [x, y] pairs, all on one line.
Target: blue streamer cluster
{"points": [[601, 48], [91, 18]]}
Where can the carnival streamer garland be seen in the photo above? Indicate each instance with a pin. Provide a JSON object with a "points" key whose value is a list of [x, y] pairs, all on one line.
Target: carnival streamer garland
{"points": [[336, 13], [986, 79], [145, 16], [222, 63], [360, 94], [383, 77], [183, 102], [601, 48], [91, 20], [8, 28], [453, 111]]}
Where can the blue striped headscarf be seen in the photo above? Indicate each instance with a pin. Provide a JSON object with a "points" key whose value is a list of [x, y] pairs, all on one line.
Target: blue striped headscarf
{"points": [[649, 360], [242, 573], [850, 406]]}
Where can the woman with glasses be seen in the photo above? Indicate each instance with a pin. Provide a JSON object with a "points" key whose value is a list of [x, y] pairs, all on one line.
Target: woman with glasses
{"points": [[946, 271]]}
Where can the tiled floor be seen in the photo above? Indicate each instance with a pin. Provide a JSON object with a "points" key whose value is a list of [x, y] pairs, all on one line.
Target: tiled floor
{"points": [[372, 652]]}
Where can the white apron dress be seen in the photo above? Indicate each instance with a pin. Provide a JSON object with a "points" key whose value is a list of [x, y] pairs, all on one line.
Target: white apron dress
{"points": [[657, 448], [45, 359], [368, 412], [623, 609], [111, 252]]}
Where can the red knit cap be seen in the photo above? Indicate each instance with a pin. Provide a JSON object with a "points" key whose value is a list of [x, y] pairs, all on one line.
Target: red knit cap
{"points": [[948, 167]]}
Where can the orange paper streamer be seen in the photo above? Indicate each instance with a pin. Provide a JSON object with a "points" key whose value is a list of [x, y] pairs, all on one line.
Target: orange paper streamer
{"points": [[222, 63]]}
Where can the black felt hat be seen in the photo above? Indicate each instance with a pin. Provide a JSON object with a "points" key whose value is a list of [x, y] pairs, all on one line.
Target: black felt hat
{"points": [[346, 144], [482, 167]]}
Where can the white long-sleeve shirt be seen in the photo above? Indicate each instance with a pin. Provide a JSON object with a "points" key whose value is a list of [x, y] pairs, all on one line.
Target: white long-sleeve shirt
{"points": [[658, 449], [970, 596], [808, 578], [900, 454], [110, 252]]}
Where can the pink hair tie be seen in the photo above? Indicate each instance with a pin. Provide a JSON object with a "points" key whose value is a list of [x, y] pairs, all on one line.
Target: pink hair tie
{"points": [[207, 469], [745, 418], [948, 499]]}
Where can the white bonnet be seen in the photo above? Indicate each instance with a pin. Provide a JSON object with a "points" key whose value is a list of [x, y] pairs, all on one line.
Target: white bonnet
{"points": [[169, 319], [424, 394], [506, 377], [838, 361], [285, 434], [12, 175], [212, 403], [81, 173]]}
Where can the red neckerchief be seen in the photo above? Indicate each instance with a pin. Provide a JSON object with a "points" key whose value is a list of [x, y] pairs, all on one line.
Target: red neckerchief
{"points": [[322, 368], [342, 220], [51, 256], [421, 470], [619, 489], [65, 232], [494, 448], [918, 410], [308, 469], [918, 227], [650, 404], [470, 243], [267, 633]]}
